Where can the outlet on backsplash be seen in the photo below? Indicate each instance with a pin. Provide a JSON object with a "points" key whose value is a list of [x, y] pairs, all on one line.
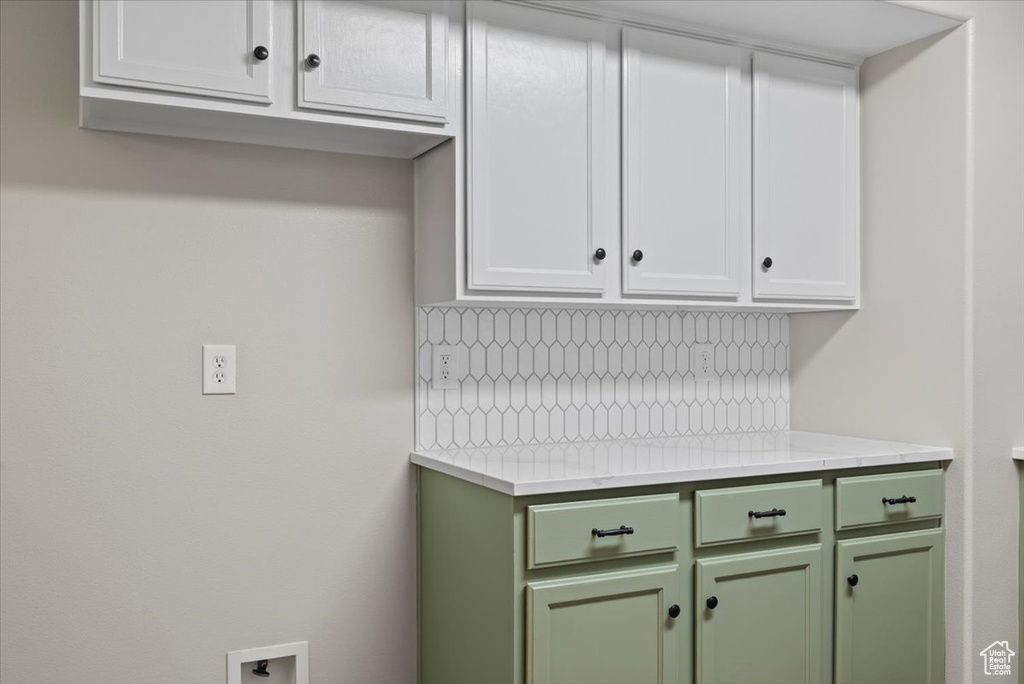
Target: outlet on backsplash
{"points": [[535, 376], [704, 362], [445, 368]]}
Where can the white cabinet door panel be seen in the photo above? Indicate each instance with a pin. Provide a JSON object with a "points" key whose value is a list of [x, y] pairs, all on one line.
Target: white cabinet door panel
{"points": [[537, 178], [805, 179], [386, 59], [685, 155], [195, 48]]}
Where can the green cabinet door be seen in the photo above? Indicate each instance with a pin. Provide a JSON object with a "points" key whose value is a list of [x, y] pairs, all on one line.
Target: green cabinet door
{"points": [[889, 609], [759, 617], [608, 628]]}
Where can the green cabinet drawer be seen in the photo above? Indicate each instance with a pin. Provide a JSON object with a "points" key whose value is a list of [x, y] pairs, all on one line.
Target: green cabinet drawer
{"points": [[559, 534], [882, 499], [725, 516]]}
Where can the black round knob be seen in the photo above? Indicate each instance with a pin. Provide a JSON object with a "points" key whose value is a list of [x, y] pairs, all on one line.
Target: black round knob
{"points": [[261, 53], [767, 263], [638, 255], [313, 60], [673, 611], [852, 580], [712, 603], [600, 254]]}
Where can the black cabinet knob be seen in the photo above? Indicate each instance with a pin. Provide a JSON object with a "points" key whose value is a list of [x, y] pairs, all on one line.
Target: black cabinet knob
{"points": [[261, 53], [852, 580], [673, 611], [313, 60], [712, 603], [767, 263], [638, 256], [600, 254]]}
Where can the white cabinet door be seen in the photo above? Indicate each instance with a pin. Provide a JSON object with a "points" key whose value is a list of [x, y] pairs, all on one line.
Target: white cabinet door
{"points": [[537, 181], [196, 48], [385, 59], [805, 180], [685, 155]]}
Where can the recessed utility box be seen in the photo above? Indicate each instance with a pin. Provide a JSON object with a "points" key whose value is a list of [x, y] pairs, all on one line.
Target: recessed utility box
{"points": [[286, 664]]}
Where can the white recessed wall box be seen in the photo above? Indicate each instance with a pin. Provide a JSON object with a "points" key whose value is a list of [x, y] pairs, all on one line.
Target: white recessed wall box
{"points": [[298, 650]]}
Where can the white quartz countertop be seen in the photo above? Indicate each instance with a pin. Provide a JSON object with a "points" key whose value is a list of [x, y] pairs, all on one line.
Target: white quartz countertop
{"points": [[581, 466], [1018, 453]]}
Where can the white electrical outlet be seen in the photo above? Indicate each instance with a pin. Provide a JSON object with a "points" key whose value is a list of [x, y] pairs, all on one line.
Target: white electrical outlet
{"points": [[219, 369], [445, 368], [704, 362]]}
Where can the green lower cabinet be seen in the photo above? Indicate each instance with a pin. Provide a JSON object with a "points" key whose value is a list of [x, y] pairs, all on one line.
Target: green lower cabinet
{"points": [[889, 609], [685, 583], [759, 617], [608, 628]]}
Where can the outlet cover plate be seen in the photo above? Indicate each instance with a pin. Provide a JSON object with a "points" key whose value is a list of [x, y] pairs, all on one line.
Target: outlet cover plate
{"points": [[219, 369], [703, 362], [444, 372]]}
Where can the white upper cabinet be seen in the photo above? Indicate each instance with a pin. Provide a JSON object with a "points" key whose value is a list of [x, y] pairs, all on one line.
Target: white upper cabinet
{"points": [[384, 59], [559, 158], [210, 49], [686, 155], [805, 180], [537, 180]]}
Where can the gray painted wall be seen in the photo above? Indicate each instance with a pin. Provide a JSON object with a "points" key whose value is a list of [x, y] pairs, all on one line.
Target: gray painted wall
{"points": [[937, 353], [146, 529]]}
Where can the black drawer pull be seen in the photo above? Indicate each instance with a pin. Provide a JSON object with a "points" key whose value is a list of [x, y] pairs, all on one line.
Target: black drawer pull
{"points": [[902, 499], [611, 533], [766, 514]]}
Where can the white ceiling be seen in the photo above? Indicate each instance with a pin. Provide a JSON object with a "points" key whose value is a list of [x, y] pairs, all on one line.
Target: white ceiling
{"points": [[853, 29]]}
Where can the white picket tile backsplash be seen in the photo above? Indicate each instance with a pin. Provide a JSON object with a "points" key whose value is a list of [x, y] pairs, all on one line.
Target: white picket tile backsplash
{"points": [[534, 376]]}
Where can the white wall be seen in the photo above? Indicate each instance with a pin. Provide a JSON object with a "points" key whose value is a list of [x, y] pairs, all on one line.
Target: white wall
{"points": [[937, 353], [146, 529], [997, 289]]}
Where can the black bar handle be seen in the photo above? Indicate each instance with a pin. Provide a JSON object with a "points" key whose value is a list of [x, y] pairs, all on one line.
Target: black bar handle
{"points": [[611, 533], [902, 499], [766, 514]]}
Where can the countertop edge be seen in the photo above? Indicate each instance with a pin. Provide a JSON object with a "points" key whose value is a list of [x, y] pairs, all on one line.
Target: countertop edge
{"points": [[1018, 453], [425, 461], [591, 483]]}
